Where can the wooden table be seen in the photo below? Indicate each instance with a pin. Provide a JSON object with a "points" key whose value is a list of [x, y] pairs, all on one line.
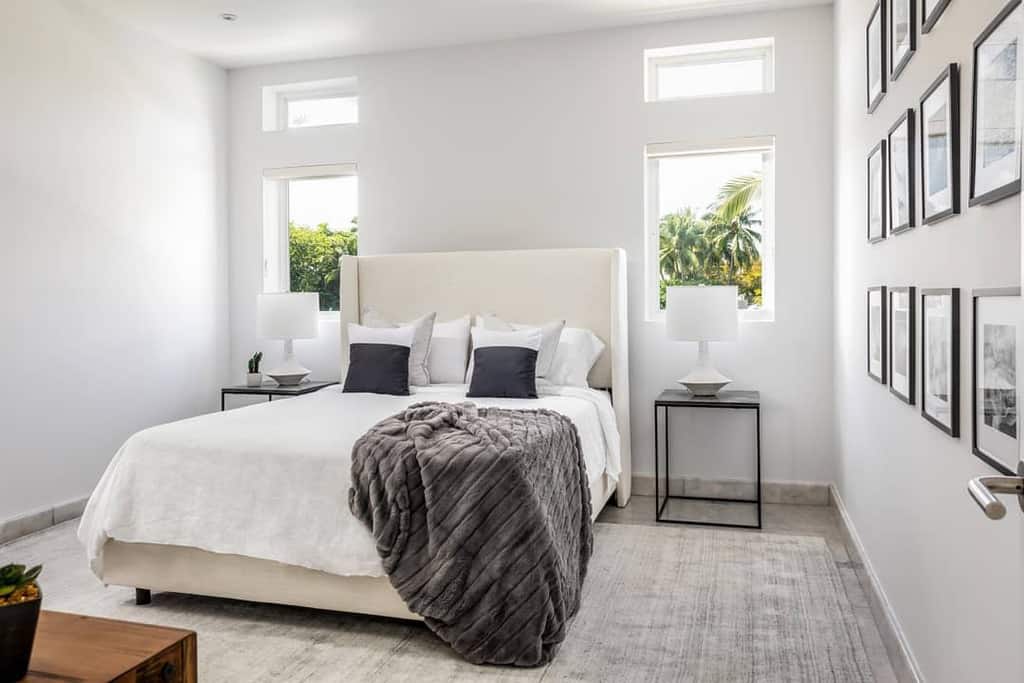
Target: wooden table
{"points": [[73, 647]]}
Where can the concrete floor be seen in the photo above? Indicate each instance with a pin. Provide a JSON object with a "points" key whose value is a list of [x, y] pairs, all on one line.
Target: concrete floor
{"points": [[796, 520]]}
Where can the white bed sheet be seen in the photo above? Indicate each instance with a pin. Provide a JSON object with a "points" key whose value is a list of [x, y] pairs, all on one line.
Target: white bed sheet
{"points": [[271, 481]]}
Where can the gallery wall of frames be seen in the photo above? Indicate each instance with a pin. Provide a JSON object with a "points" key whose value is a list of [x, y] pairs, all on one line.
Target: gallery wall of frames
{"points": [[907, 325]]}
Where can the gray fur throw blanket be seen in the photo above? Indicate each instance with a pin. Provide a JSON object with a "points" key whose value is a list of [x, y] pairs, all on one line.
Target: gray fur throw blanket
{"points": [[482, 519]]}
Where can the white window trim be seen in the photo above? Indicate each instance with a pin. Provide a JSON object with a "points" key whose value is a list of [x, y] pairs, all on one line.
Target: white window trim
{"points": [[275, 215], [277, 97], [652, 271], [709, 53]]}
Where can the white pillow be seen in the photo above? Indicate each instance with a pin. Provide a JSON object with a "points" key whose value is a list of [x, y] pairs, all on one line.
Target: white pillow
{"points": [[578, 350], [449, 351], [419, 374], [550, 334], [529, 338], [364, 334]]}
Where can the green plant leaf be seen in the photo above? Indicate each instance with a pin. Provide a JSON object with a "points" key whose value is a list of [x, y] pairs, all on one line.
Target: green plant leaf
{"points": [[31, 574], [11, 573]]}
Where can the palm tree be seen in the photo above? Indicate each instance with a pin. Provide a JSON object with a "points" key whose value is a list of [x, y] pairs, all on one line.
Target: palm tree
{"points": [[680, 246], [738, 194], [735, 239]]}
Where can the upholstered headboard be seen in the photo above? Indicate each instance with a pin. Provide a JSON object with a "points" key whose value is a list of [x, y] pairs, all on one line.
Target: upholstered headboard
{"points": [[586, 287]]}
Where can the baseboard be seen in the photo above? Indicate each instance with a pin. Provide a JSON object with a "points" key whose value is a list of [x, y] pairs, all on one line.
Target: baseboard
{"points": [[37, 520], [791, 492], [896, 642]]}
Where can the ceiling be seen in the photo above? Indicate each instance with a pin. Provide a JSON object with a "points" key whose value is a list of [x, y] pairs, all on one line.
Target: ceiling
{"points": [[268, 31]]}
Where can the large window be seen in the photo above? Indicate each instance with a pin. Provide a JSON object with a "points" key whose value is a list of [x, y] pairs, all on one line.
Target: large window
{"points": [[709, 221], [739, 67], [311, 217]]}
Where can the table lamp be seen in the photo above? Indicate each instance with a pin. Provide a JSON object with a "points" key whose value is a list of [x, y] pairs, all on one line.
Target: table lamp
{"points": [[703, 315], [289, 316]]}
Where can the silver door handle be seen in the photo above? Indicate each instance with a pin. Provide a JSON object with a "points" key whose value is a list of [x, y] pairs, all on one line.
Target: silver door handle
{"points": [[983, 490]]}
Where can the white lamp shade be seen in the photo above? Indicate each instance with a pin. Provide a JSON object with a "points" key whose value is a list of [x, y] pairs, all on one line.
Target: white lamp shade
{"points": [[289, 315], [701, 313]]}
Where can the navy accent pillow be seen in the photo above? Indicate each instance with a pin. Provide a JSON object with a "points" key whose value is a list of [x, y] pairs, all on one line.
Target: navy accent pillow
{"points": [[378, 369], [504, 372]]}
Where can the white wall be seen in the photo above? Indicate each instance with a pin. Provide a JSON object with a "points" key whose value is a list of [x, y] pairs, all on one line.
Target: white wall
{"points": [[114, 256], [952, 576], [539, 143]]}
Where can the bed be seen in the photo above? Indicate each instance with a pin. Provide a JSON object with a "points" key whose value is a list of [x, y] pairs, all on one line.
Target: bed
{"points": [[147, 523]]}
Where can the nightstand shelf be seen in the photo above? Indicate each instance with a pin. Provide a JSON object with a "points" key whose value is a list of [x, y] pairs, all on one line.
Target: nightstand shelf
{"points": [[664, 505], [272, 390]]}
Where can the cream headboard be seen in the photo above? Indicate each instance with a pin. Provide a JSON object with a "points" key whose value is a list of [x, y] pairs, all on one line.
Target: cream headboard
{"points": [[586, 287]]}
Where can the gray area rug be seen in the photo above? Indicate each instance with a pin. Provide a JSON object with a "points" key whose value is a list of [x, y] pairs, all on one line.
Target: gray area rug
{"points": [[659, 604]]}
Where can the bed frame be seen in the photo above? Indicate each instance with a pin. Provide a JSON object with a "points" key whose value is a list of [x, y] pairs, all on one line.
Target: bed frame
{"points": [[587, 287]]}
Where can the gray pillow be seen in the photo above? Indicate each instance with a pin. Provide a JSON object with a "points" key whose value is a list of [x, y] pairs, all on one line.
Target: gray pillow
{"points": [[419, 375]]}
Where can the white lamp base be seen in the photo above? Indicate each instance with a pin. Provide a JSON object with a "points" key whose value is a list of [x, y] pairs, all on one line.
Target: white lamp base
{"points": [[704, 380], [290, 372]]}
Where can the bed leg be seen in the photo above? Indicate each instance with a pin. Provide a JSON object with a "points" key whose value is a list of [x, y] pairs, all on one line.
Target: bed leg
{"points": [[143, 596]]}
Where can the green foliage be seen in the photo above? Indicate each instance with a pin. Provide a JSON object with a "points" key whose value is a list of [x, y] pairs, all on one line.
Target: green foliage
{"points": [[14, 577], [722, 247], [254, 362], [313, 255], [736, 196]]}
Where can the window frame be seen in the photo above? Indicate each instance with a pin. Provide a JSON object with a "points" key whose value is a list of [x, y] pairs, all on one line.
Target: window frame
{"points": [[277, 97], [276, 212], [724, 52], [652, 272]]}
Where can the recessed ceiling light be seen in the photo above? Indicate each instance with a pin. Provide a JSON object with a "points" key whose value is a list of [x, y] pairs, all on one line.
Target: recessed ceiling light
{"points": [[228, 16]]}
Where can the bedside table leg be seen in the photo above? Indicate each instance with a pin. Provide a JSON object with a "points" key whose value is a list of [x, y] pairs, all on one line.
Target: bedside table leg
{"points": [[143, 596]]}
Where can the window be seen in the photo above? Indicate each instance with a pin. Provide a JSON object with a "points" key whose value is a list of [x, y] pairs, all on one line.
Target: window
{"points": [[709, 221], [310, 219], [741, 67], [313, 103], [322, 111]]}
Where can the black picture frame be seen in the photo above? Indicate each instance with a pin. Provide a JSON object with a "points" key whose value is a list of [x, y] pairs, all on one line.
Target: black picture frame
{"points": [[883, 298], [908, 397], [896, 66], [930, 17], [953, 428], [951, 76], [879, 149], [877, 13], [908, 118], [1013, 187], [976, 294]]}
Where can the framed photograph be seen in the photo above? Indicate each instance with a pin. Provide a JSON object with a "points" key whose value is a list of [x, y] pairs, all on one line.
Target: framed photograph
{"points": [[876, 56], [994, 376], [901, 174], [940, 358], [876, 193], [901, 343], [995, 116], [902, 34], [940, 147], [931, 10], [876, 333]]}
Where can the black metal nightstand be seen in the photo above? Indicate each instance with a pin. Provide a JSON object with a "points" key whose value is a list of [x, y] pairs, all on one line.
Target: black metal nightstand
{"points": [[272, 390], [732, 400]]}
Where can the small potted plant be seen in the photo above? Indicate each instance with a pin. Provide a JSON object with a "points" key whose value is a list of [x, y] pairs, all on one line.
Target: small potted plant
{"points": [[20, 599], [255, 378]]}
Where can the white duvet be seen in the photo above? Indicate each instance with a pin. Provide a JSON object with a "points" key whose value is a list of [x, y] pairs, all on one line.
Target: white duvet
{"points": [[271, 481]]}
